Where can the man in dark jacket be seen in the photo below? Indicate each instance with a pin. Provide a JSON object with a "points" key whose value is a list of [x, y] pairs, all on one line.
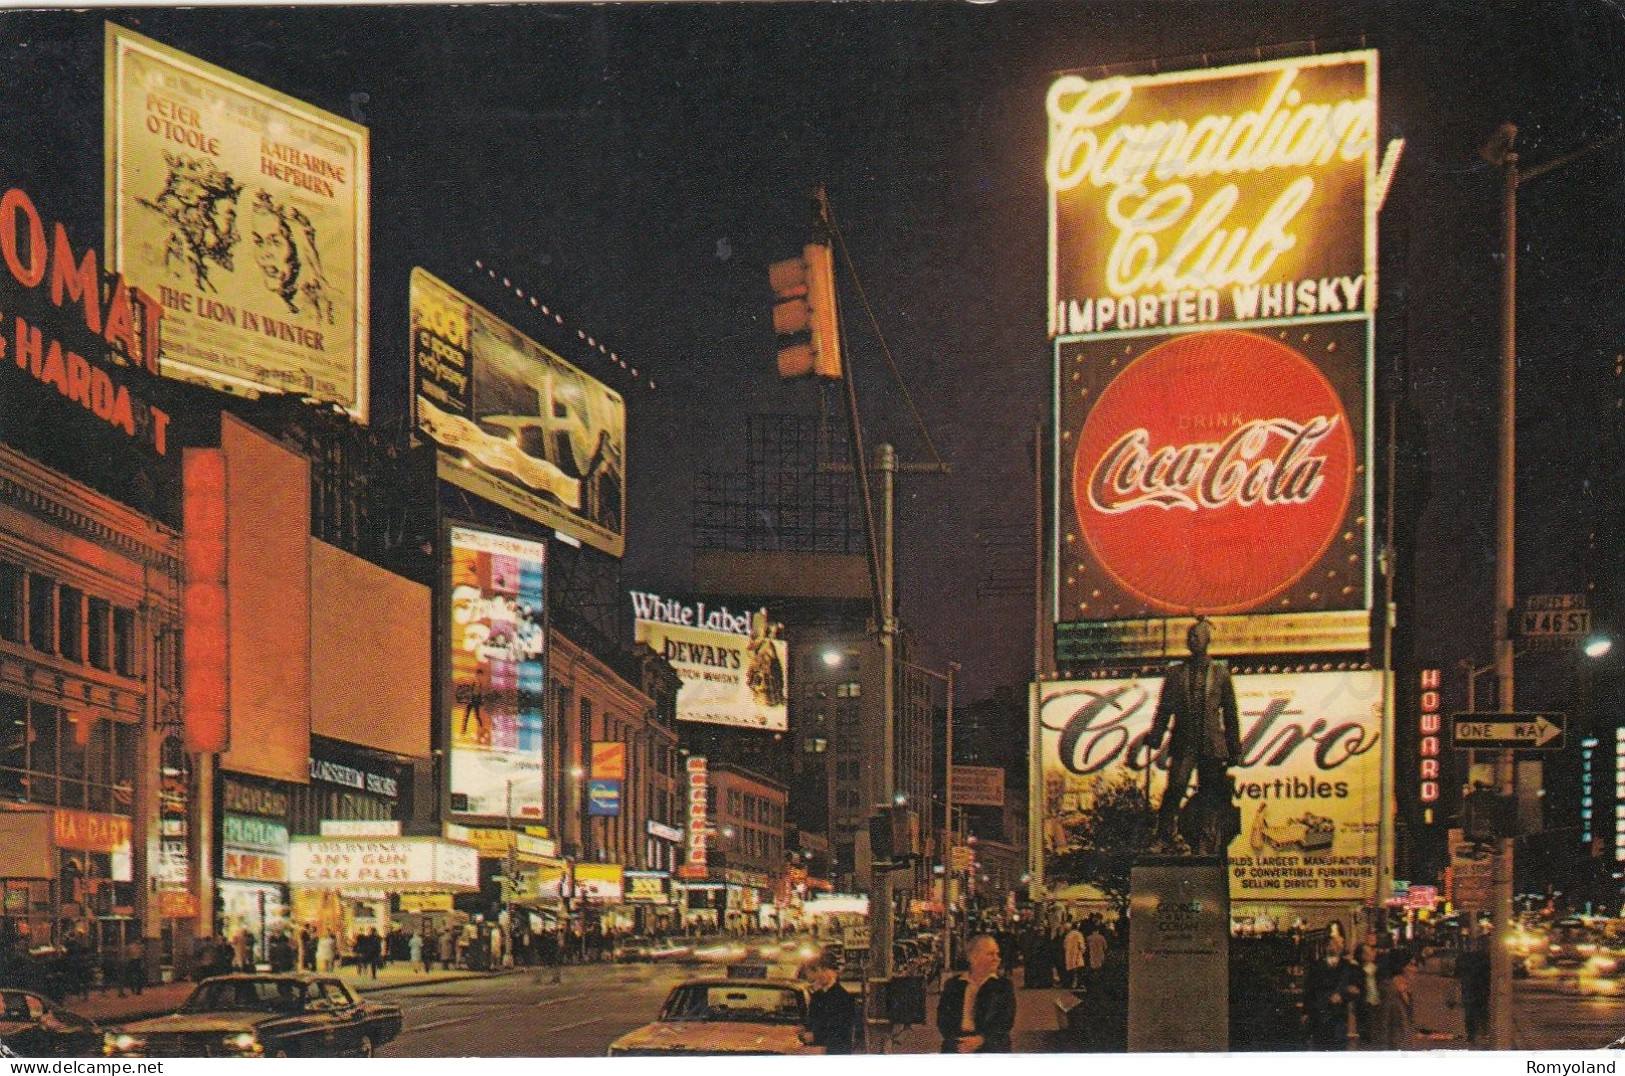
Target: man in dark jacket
{"points": [[978, 1008], [832, 1016], [1198, 701], [1330, 986]]}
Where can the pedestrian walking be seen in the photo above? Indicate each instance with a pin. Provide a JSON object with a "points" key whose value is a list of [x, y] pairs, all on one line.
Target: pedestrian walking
{"points": [[1473, 975], [1329, 990], [977, 1009], [327, 952], [1398, 1028], [447, 948], [135, 966], [1094, 956], [1369, 1006], [414, 950], [1073, 951], [242, 951], [832, 1015]]}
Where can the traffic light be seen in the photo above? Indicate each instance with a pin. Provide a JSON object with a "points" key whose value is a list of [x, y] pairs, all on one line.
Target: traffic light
{"points": [[1487, 816], [804, 313], [894, 834]]}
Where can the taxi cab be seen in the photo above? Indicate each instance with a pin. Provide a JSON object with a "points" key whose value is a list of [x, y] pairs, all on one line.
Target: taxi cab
{"points": [[741, 1014]]}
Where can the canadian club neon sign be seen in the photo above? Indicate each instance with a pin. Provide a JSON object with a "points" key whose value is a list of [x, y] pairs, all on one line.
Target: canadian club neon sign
{"points": [[1213, 472]]}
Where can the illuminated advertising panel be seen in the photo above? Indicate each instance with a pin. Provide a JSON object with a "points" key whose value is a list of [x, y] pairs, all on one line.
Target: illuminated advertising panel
{"points": [[1212, 266], [699, 819], [1308, 788], [1429, 722], [497, 634], [599, 882], [1217, 473], [516, 424], [244, 213], [733, 665]]}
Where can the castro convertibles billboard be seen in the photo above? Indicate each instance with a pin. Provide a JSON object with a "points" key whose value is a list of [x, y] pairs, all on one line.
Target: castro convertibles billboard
{"points": [[516, 424], [497, 633], [1212, 257], [1309, 786], [733, 665], [244, 213]]}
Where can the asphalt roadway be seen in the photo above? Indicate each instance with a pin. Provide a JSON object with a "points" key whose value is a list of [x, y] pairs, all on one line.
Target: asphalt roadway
{"points": [[527, 1015]]}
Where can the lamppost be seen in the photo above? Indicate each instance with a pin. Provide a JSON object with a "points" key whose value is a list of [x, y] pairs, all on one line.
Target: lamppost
{"points": [[1501, 152]]}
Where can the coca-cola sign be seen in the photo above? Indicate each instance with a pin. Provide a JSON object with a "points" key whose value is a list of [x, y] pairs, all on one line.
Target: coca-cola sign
{"points": [[1215, 473], [1308, 785]]}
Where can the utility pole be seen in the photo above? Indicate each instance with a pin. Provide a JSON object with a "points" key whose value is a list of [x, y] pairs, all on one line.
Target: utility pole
{"points": [[1501, 151], [1505, 593], [880, 893]]}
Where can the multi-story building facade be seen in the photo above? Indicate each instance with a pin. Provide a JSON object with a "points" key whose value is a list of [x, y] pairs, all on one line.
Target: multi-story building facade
{"points": [[89, 701]]}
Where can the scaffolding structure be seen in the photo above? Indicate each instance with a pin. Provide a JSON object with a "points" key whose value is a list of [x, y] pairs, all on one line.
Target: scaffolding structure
{"points": [[796, 493]]}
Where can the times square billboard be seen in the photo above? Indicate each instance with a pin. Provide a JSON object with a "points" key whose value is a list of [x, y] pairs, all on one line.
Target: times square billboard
{"points": [[1308, 785], [1211, 302], [496, 673], [245, 213], [733, 665], [514, 423]]}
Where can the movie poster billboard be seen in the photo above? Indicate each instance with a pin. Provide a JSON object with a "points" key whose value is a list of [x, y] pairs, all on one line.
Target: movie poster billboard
{"points": [[515, 423], [1309, 787], [1212, 276], [497, 633], [244, 214], [732, 664]]}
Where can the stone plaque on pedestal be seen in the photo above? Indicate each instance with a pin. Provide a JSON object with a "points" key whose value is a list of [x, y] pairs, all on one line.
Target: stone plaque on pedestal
{"points": [[1179, 955]]}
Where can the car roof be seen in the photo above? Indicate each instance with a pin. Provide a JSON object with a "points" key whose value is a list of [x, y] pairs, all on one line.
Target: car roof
{"points": [[272, 977]]}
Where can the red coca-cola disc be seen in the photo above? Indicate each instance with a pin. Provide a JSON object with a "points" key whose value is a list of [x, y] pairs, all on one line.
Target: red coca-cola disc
{"points": [[1213, 472]]}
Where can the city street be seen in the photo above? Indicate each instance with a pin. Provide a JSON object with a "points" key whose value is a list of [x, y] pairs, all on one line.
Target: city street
{"points": [[525, 1015], [1550, 1013]]}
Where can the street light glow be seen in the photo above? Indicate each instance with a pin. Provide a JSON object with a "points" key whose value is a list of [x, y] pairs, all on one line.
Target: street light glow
{"points": [[832, 657], [1598, 645]]}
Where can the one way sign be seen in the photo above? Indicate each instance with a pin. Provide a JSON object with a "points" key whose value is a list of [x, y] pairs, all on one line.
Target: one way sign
{"points": [[1508, 732]]}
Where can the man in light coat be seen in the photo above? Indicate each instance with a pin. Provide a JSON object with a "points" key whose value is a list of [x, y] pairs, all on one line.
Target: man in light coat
{"points": [[1073, 956]]}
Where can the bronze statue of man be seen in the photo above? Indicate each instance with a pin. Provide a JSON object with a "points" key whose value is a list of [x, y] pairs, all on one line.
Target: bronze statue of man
{"points": [[1199, 700]]}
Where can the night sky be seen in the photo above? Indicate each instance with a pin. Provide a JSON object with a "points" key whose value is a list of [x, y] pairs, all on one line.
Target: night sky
{"points": [[637, 166]]}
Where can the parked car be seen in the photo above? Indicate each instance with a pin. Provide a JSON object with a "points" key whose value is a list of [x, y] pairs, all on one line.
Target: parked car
{"points": [[262, 1016], [32, 1025], [725, 1016]]}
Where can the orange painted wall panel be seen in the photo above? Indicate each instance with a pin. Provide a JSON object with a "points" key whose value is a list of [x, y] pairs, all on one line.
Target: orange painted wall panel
{"points": [[268, 597], [370, 654]]}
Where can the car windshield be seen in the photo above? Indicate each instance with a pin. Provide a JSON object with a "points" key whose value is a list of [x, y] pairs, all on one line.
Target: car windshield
{"points": [[754, 1003], [247, 995]]}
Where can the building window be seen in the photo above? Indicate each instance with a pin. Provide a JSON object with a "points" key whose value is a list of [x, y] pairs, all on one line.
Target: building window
{"points": [[70, 623], [11, 602], [98, 633], [41, 613], [124, 662]]}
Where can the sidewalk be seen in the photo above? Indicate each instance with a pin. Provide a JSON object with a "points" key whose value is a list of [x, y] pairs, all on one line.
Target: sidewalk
{"points": [[1037, 1027], [106, 1007]]}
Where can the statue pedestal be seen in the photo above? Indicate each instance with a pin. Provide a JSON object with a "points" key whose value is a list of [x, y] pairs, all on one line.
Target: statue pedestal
{"points": [[1179, 955]]}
